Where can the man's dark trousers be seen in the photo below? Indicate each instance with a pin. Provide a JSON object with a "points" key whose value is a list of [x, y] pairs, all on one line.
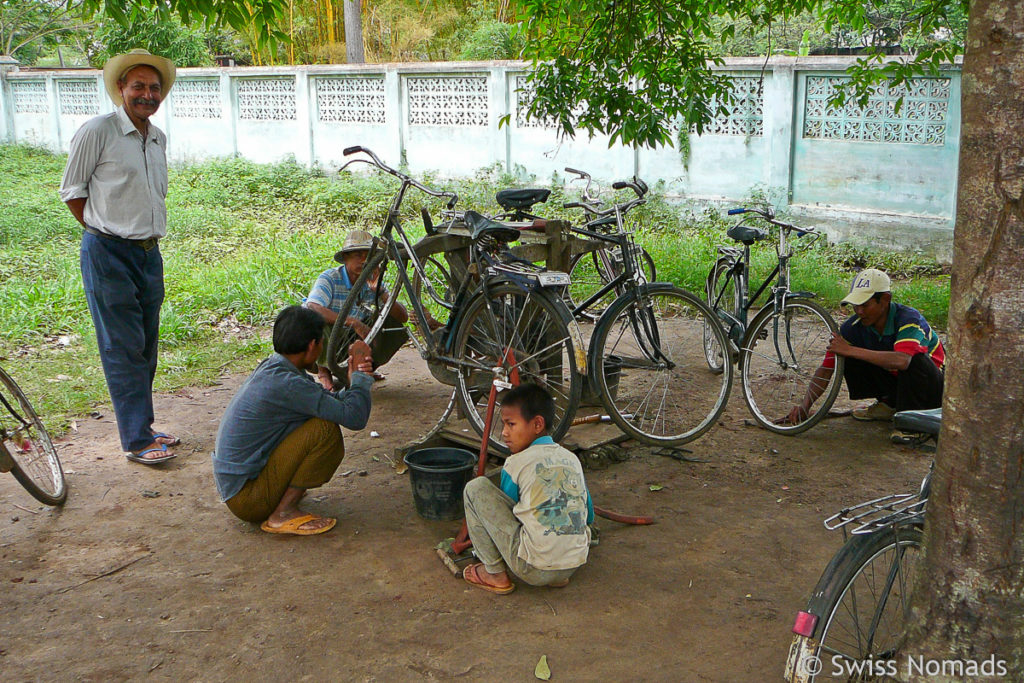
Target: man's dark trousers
{"points": [[919, 387], [124, 286]]}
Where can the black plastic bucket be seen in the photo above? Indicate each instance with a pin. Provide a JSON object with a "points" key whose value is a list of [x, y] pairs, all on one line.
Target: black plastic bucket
{"points": [[438, 476]]}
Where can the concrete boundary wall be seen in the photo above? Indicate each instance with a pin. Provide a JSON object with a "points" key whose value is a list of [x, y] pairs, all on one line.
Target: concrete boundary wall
{"points": [[882, 173]]}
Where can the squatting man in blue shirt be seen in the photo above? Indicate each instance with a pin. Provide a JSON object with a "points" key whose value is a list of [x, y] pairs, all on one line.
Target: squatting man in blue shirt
{"points": [[279, 435]]}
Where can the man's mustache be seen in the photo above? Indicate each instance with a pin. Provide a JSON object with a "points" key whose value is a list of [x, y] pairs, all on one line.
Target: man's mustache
{"points": [[146, 100]]}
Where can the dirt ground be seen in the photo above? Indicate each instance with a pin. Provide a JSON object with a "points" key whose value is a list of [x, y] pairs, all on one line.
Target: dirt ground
{"points": [[708, 593]]}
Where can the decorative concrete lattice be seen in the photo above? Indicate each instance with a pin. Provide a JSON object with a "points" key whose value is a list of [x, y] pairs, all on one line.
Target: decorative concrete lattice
{"points": [[78, 97], [448, 101], [524, 97], [267, 99], [30, 97], [746, 114], [921, 120], [196, 98], [350, 100]]}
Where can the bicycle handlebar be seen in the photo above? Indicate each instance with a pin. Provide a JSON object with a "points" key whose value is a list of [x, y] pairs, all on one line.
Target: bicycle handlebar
{"points": [[374, 160], [769, 216]]}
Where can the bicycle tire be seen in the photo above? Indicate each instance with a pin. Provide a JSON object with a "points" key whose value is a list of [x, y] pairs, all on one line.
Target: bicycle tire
{"points": [[534, 325], [627, 379], [28, 445], [728, 299], [862, 604], [587, 275], [771, 389], [341, 334]]}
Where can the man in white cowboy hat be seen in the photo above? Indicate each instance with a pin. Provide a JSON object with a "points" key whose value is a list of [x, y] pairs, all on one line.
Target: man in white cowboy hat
{"points": [[330, 291], [115, 183], [891, 354]]}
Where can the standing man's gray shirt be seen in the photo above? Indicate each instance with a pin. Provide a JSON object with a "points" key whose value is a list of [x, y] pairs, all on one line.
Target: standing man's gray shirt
{"points": [[274, 401], [123, 175]]}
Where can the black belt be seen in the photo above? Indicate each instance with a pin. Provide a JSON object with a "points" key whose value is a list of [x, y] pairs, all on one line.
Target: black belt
{"points": [[146, 244]]}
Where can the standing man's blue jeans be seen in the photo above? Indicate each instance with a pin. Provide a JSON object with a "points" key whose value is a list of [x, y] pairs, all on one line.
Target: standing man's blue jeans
{"points": [[124, 285]]}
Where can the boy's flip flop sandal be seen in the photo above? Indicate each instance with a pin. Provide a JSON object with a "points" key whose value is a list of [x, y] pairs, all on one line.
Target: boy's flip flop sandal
{"points": [[137, 457], [471, 575]]}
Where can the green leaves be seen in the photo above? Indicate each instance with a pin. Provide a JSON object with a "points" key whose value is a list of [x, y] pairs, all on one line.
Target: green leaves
{"points": [[638, 70], [263, 17]]}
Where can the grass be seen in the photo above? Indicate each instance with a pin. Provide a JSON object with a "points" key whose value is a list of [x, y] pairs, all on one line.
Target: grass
{"points": [[246, 239]]}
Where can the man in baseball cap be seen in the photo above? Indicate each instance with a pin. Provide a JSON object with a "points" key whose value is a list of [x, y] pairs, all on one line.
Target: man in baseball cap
{"points": [[114, 184], [891, 354], [329, 293]]}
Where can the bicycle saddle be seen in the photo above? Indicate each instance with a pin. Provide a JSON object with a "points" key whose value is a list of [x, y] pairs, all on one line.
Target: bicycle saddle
{"points": [[481, 227], [746, 234], [924, 421], [521, 199]]}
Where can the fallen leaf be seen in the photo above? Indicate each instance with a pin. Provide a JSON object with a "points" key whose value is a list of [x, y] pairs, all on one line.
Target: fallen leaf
{"points": [[543, 672], [374, 458], [656, 487]]}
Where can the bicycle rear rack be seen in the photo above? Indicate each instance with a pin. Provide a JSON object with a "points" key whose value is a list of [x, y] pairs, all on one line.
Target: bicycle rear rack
{"points": [[876, 514]]}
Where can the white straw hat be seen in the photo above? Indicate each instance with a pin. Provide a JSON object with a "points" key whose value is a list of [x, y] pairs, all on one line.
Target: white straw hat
{"points": [[116, 67]]}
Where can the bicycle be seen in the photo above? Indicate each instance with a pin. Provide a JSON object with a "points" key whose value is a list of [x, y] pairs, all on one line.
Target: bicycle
{"points": [[646, 353], [506, 313], [857, 614], [590, 270], [26, 450], [780, 350]]}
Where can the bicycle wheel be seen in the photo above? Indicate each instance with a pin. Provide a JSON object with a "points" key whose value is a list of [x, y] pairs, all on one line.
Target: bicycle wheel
{"points": [[721, 288], [647, 358], [777, 378], [591, 271], [527, 330], [863, 604], [26, 441]]}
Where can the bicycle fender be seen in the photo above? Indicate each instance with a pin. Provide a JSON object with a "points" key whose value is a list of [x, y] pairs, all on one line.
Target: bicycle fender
{"points": [[801, 295], [578, 347], [711, 273], [462, 304], [650, 287]]}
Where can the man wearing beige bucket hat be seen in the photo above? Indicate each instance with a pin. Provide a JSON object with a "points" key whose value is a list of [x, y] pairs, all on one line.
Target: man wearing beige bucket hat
{"points": [[891, 354], [332, 288], [114, 184]]}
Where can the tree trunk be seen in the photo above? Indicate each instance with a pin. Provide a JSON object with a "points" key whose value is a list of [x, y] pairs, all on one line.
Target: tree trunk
{"points": [[970, 600], [354, 32]]}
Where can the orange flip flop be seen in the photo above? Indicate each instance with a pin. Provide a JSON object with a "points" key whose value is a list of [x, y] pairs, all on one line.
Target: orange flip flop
{"points": [[294, 526], [471, 575]]}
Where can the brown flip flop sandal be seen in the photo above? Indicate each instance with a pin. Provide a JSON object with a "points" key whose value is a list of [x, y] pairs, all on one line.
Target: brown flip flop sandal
{"points": [[471, 575]]}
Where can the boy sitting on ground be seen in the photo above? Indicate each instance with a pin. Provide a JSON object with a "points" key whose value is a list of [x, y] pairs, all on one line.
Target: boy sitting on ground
{"points": [[536, 525]]}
